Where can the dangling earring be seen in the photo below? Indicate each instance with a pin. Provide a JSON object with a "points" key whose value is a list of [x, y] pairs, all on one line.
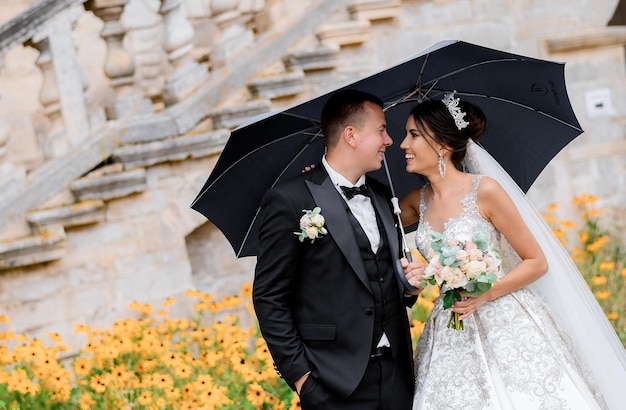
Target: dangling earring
{"points": [[442, 167]]}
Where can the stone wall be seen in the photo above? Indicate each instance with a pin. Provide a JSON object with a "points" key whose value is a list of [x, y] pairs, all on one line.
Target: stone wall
{"points": [[150, 245]]}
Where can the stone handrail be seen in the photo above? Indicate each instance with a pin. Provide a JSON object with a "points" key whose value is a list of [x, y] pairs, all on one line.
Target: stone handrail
{"points": [[29, 22], [58, 173]]}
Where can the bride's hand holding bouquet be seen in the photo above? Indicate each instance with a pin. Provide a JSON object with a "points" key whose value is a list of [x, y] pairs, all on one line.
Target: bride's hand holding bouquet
{"points": [[461, 268]]}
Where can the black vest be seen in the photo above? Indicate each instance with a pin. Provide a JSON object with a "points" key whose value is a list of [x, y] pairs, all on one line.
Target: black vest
{"points": [[379, 268]]}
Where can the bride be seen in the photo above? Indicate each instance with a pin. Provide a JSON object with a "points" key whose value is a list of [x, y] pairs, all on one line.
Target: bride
{"points": [[537, 339]]}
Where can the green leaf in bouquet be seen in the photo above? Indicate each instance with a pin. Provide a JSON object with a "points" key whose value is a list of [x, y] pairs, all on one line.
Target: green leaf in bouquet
{"points": [[481, 244], [449, 298], [483, 287], [450, 261], [470, 286]]}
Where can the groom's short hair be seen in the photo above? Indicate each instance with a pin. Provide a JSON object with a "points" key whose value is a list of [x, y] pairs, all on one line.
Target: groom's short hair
{"points": [[343, 108]]}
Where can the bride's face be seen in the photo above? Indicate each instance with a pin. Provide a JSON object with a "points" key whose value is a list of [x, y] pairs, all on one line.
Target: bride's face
{"points": [[420, 151]]}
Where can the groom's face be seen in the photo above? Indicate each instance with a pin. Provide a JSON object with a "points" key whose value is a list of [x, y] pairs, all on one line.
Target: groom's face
{"points": [[371, 138]]}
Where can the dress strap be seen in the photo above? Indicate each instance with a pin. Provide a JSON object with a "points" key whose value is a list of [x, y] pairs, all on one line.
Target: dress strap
{"points": [[470, 201], [422, 203]]}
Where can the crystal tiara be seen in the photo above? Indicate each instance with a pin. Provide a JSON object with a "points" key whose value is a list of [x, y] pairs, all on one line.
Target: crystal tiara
{"points": [[452, 104]]}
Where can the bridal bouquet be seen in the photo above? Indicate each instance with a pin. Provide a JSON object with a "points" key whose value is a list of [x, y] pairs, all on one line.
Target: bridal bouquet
{"points": [[461, 267]]}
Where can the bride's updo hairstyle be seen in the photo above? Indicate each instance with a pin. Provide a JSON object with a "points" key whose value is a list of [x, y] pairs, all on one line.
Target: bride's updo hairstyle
{"points": [[435, 116]]}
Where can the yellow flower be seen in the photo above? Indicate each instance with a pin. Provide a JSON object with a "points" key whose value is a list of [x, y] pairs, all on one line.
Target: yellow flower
{"points": [[559, 233], [592, 212], [4, 319], [146, 309], [549, 219], [295, 403], [55, 337], [8, 335], [145, 398], [583, 237], [599, 280], [169, 301], [86, 402], [134, 305], [215, 397], [82, 367], [612, 316], [246, 290], [597, 245], [607, 265], [262, 352], [567, 224], [603, 294], [98, 384], [256, 395], [417, 328], [623, 272], [426, 303], [183, 371], [200, 306], [553, 207], [585, 199]]}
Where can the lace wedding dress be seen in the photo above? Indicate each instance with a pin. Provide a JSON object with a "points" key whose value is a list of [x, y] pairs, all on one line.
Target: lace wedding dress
{"points": [[511, 354]]}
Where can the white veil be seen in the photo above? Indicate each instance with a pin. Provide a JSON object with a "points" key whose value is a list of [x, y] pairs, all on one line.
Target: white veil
{"points": [[564, 289]]}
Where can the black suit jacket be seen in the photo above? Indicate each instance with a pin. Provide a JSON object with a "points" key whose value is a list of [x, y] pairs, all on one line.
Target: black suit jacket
{"points": [[313, 300]]}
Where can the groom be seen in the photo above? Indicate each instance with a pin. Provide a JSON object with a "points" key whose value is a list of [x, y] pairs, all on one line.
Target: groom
{"points": [[325, 292]]}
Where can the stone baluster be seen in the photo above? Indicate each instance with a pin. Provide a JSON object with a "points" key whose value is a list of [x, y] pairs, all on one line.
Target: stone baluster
{"points": [[187, 75], [55, 142], [118, 66], [233, 35]]}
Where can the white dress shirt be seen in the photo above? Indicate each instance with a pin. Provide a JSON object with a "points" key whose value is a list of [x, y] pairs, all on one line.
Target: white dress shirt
{"points": [[363, 210], [360, 206]]}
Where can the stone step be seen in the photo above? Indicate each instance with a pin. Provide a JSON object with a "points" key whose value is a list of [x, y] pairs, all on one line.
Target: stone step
{"points": [[375, 10], [345, 33], [86, 212], [277, 86], [47, 244], [323, 57], [232, 116], [109, 182], [173, 149]]}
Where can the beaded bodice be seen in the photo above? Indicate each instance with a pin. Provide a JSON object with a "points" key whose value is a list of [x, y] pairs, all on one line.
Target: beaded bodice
{"points": [[461, 227]]}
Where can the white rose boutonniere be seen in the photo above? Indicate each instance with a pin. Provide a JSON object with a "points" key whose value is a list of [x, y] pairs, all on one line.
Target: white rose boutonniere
{"points": [[311, 225]]}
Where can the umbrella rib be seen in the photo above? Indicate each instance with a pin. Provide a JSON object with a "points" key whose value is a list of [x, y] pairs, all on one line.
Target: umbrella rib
{"points": [[256, 214], [255, 150], [468, 94], [501, 60]]}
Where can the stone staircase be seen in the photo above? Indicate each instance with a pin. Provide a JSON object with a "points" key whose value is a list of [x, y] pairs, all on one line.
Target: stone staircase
{"points": [[111, 161]]}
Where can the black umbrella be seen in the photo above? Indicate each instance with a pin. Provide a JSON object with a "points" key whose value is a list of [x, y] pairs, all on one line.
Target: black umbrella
{"points": [[529, 120]]}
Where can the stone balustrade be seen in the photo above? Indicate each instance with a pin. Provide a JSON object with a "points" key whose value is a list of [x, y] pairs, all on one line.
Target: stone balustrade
{"points": [[131, 131]]}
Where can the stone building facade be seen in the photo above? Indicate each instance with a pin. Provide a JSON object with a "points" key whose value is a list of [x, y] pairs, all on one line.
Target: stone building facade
{"points": [[113, 113]]}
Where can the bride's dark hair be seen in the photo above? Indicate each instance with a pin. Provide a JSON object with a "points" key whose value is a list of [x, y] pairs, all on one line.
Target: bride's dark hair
{"points": [[434, 115]]}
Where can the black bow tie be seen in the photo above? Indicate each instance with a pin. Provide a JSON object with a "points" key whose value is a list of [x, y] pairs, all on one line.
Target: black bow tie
{"points": [[350, 192]]}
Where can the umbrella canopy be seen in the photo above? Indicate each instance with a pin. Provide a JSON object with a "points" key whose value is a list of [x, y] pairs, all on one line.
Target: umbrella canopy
{"points": [[529, 120]]}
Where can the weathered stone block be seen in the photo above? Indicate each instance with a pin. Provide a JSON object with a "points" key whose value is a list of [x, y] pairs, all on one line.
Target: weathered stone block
{"points": [[109, 186], [230, 117], [277, 86], [79, 213], [47, 245]]}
